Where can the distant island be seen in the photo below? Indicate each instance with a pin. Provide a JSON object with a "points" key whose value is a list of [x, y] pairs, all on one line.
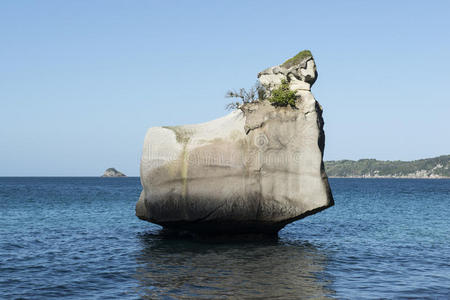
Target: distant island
{"points": [[111, 172], [437, 167]]}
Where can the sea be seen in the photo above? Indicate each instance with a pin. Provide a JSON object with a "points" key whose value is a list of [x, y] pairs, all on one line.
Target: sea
{"points": [[78, 238]]}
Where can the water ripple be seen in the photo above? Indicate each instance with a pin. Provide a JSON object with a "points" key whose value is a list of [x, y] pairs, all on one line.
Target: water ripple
{"points": [[78, 238]]}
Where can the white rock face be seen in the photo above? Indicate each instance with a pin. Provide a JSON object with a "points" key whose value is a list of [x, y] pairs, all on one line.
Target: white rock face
{"points": [[254, 170], [301, 76]]}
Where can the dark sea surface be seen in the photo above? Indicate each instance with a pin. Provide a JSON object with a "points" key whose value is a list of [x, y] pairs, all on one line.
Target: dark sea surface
{"points": [[78, 238]]}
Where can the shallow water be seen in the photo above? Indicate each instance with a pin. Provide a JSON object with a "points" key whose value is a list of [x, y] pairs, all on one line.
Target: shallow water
{"points": [[79, 238]]}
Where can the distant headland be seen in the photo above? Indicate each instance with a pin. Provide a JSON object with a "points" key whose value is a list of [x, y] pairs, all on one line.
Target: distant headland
{"points": [[437, 167]]}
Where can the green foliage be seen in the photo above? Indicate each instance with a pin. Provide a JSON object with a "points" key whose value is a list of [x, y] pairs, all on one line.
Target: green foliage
{"points": [[439, 166], [297, 59], [283, 96], [254, 94]]}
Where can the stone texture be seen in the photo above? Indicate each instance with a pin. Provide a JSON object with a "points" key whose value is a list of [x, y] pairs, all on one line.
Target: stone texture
{"points": [[301, 76], [254, 170]]}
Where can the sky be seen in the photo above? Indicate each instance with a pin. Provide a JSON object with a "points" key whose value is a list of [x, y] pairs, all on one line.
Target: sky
{"points": [[82, 81]]}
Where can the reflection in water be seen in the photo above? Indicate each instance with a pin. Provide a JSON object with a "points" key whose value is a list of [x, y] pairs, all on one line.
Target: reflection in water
{"points": [[188, 268]]}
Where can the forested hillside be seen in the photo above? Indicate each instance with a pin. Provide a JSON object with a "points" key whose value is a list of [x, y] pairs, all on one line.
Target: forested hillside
{"points": [[436, 167]]}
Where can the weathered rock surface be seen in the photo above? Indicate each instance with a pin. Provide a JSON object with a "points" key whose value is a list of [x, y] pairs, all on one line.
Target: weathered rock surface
{"points": [[254, 170], [111, 172]]}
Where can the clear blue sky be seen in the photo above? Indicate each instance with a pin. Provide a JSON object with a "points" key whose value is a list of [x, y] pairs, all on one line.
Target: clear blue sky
{"points": [[81, 81]]}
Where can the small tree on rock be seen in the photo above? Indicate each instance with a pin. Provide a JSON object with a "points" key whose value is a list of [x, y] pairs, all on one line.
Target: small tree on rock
{"points": [[254, 94]]}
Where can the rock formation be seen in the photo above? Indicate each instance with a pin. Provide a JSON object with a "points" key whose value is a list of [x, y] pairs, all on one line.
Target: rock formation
{"points": [[111, 172], [254, 170]]}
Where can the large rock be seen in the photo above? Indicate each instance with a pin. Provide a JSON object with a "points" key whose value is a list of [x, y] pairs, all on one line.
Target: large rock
{"points": [[254, 170]]}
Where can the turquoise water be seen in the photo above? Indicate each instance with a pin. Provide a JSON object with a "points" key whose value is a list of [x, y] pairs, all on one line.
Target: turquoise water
{"points": [[78, 238]]}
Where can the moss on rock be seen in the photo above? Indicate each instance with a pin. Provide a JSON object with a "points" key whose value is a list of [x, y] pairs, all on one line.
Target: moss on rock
{"points": [[297, 59], [183, 136]]}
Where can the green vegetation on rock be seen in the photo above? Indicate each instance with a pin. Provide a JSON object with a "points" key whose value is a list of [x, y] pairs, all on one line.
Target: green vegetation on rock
{"points": [[282, 95], [254, 94], [297, 59], [181, 134], [422, 168]]}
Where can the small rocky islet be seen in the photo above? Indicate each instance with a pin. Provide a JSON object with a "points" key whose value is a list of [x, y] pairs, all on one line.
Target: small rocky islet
{"points": [[254, 170], [112, 172]]}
